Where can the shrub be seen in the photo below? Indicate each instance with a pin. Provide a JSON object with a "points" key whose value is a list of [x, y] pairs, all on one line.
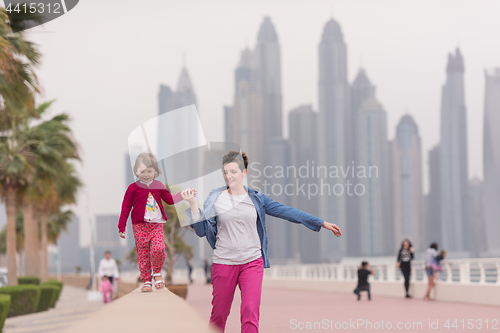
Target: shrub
{"points": [[28, 280], [60, 285], [24, 299], [48, 296], [4, 309]]}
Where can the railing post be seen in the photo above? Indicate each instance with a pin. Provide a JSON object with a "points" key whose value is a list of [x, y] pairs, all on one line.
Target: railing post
{"points": [[391, 273], [340, 272], [498, 272], [464, 272], [482, 273]]}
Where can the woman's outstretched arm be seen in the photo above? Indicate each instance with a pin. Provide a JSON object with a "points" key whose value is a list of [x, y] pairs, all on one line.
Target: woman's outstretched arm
{"points": [[294, 215]]}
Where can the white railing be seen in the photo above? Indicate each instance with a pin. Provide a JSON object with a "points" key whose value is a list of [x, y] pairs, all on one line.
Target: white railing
{"points": [[464, 271]]}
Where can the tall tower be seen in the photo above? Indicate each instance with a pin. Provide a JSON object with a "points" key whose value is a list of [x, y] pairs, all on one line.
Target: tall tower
{"points": [[372, 156], [302, 127], [243, 119], [407, 182], [491, 160], [433, 199], [453, 155], [268, 61], [333, 91], [361, 90]]}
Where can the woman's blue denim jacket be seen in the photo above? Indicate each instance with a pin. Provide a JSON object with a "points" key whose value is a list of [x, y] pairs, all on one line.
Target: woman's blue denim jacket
{"points": [[207, 227]]}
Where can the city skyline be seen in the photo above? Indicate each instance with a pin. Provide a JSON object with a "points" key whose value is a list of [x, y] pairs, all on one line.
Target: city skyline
{"points": [[385, 62]]}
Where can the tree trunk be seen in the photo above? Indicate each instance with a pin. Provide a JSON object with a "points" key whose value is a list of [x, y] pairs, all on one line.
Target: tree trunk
{"points": [[31, 246], [10, 206], [44, 272]]}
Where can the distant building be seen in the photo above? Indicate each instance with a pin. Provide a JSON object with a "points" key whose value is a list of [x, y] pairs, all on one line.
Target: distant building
{"points": [[491, 160], [475, 242], [433, 229], [454, 174], [333, 89], [372, 156], [407, 181], [69, 248], [302, 127]]}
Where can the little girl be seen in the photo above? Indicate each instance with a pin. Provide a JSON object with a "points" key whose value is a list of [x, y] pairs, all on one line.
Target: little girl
{"points": [[144, 199], [106, 288]]}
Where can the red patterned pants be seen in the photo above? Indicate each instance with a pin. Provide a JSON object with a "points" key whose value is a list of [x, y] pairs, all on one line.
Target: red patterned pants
{"points": [[150, 246]]}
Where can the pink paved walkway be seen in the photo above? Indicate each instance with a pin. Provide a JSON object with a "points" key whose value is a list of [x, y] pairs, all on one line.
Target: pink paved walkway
{"points": [[284, 310]]}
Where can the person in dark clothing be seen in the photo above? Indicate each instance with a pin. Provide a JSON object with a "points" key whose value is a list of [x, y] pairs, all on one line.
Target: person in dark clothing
{"points": [[208, 274], [190, 271], [363, 284], [405, 256]]}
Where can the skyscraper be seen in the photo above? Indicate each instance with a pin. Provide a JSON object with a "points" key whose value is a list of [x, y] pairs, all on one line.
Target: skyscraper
{"points": [[361, 91], [333, 91], [244, 119], [372, 156], [491, 160], [268, 61], [302, 127], [454, 175], [433, 199], [407, 182], [475, 242]]}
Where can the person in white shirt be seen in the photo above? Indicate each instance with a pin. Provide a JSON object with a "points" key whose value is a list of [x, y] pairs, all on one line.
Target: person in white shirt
{"points": [[109, 268]]}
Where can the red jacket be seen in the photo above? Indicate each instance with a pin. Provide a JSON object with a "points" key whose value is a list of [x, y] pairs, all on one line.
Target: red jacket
{"points": [[136, 198]]}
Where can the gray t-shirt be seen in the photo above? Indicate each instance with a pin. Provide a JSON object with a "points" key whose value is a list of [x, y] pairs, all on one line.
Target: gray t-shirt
{"points": [[237, 238]]}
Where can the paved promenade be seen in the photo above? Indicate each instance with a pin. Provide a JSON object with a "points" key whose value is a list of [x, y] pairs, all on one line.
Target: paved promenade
{"points": [[285, 310], [72, 306], [282, 310]]}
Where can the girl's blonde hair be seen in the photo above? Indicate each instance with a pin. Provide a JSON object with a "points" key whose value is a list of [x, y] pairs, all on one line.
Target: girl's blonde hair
{"points": [[149, 160]]}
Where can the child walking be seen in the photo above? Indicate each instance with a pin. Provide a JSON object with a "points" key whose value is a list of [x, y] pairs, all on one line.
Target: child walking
{"points": [[144, 198], [106, 288]]}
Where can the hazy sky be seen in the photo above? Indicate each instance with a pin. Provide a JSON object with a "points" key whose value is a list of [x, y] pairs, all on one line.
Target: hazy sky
{"points": [[103, 62]]}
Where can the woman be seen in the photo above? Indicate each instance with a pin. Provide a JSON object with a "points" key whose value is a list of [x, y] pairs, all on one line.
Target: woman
{"points": [[233, 221], [431, 254], [108, 267], [405, 256]]}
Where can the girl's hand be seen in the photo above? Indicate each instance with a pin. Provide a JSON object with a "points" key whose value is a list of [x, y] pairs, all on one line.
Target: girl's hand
{"points": [[122, 235], [332, 227], [189, 195]]}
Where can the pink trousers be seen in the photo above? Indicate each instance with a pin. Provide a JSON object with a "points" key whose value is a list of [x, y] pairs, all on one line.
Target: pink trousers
{"points": [[224, 280], [150, 246]]}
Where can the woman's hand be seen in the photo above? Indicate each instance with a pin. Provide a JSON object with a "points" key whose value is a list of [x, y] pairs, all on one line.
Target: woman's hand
{"points": [[122, 235], [398, 264], [412, 249], [332, 227], [189, 195]]}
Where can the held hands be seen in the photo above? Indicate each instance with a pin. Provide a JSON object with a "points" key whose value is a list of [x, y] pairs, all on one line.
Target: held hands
{"points": [[189, 195], [412, 249], [332, 227]]}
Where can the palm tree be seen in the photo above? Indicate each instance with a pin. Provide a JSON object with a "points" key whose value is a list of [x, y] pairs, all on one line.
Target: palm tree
{"points": [[65, 187], [31, 157], [18, 58], [18, 83]]}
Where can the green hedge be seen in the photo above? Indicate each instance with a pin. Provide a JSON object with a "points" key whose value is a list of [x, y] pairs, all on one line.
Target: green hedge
{"points": [[60, 285], [48, 297], [28, 280], [4, 309], [24, 299]]}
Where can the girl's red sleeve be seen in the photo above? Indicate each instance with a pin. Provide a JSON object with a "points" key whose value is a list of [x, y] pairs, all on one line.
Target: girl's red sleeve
{"points": [[169, 198], [126, 207]]}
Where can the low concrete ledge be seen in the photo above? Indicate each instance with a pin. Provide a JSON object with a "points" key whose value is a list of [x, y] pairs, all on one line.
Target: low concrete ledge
{"points": [[450, 292], [157, 311]]}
